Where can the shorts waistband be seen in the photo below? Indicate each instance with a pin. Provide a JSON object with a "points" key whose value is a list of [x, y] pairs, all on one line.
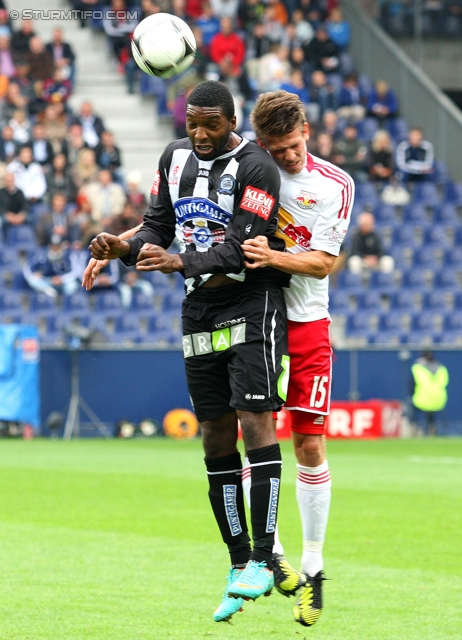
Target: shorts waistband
{"points": [[222, 294]]}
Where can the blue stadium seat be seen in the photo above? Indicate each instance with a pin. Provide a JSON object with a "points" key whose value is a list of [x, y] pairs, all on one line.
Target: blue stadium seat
{"points": [[9, 259], [18, 282], [126, 337], [163, 338], [453, 322], [401, 301], [435, 235], [21, 237], [173, 300], [446, 280], [358, 325], [425, 257], [385, 215], [141, 303], [423, 321], [419, 339], [404, 235], [392, 322], [382, 282], [127, 323], [42, 304], [369, 300], [11, 301], [108, 301], [80, 301], [367, 193], [385, 338], [453, 193], [434, 300], [446, 215], [401, 255], [452, 258], [426, 193], [450, 337], [348, 281], [339, 302], [415, 214], [398, 129], [441, 173], [414, 279], [367, 128]]}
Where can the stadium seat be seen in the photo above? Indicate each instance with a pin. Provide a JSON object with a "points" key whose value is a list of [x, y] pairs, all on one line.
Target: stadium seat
{"points": [[446, 214], [453, 193], [339, 302], [434, 300], [80, 301], [423, 321], [141, 303], [370, 301], [366, 192], [446, 279], [367, 128], [358, 325], [173, 300], [453, 322], [42, 304], [401, 255], [11, 301], [392, 322], [404, 235], [347, 281], [385, 338], [21, 237], [441, 173], [425, 258], [18, 282], [415, 214], [9, 259], [163, 338], [382, 282], [108, 301], [449, 337], [457, 302], [452, 258], [401, 301], [127, 323], [419, 339], [126, 338], [426, 193], [397, 128], [385, 215], [435, 235], [414, 279]]}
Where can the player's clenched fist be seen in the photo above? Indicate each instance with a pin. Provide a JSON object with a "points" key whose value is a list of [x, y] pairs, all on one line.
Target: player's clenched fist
{"points": [[155, 258], [108, 247]]}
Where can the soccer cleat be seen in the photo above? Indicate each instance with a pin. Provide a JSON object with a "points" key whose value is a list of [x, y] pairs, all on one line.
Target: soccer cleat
{"points": [[308, 607], [229, 606], [287, 580], [254, 581]]}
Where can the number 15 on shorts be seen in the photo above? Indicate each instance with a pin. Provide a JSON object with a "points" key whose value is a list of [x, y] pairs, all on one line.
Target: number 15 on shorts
{"points": [[319, 391]]}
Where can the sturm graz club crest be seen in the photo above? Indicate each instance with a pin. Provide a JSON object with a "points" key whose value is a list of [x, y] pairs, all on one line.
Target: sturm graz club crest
{"points": [[226, 185]]}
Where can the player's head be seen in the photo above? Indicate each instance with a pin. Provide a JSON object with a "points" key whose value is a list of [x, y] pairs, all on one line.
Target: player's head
{"points": [[278, 119], [210, 119]]}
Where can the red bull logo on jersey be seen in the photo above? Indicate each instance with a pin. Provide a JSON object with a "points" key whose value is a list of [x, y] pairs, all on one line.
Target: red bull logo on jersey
{"points": [[306, 200], [155, 185], [300, 235], [258, 202]]}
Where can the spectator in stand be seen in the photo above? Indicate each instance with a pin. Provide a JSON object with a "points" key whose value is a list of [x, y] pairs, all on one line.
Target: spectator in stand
{"points": [[28, 176], [106, 198], [351, 99], [108, 156], [225, 8], [414, 158], [12, 101], [380, 159], [53, 274], [250, 12], [296, 85], [323, 147], [178, 110], [303, 29], [119, 27], [312, 11], [257, 45], [57, 88], [178, 9], [92, 125], [132, 281], [62, 55], [330, 125], [21, 126], [85, 7], [128, 219], [39, 60], [85, 170], [6, 57], [55, 223], [5, 29], [275, 30], [26, 86], [366, 251], [59, 178], [208, 23], [12, 205], [134, 195], [338, 29], [322, 53], [280, 11], [322, 94], [382, 102], [20, 40], [351, 153], [42, 151], [9, 148], [227, 44], [55, 127], [273, 70]]}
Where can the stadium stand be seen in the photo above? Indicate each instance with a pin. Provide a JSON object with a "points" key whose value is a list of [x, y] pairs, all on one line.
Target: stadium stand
{"points": [[420, 300]]}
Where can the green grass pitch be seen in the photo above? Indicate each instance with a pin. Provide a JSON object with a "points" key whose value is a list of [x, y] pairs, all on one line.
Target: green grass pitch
{"points": [[115, 540]]}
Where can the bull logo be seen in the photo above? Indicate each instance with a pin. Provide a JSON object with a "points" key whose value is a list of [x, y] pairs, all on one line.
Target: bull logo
{"points": [[306, 200]]}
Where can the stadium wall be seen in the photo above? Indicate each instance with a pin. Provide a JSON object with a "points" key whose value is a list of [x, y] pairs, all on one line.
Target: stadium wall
{"points": [[136, 384], [421, 101]]}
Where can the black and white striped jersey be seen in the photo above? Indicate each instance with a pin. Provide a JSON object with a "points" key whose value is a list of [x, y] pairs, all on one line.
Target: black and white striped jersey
{"points": [[211, 207]]}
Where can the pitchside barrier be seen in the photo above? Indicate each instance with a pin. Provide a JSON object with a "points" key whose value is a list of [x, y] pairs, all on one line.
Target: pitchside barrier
{"points": [[134, 384]]}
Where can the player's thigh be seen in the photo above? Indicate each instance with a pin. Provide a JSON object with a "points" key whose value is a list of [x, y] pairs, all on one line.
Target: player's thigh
{"points": [[258, 364], [310, 367]]}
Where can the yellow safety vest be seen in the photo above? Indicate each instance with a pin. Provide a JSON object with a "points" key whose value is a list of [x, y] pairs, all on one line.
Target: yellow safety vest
{"points": [[430, 388]]}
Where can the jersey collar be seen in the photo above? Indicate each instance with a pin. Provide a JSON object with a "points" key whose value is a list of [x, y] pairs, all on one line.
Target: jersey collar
{"points": [[309, 162]]}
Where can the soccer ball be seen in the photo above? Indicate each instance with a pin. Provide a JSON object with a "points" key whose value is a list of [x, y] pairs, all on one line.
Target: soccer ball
{"points": [[163, 45]]}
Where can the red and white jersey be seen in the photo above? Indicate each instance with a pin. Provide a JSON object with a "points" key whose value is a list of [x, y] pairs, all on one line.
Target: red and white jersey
{"points": [[314, 214]]}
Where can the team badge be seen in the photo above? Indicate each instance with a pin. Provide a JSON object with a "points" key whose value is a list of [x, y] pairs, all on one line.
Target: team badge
{"points": [[226, 185], [334, 235], [306, 200]]}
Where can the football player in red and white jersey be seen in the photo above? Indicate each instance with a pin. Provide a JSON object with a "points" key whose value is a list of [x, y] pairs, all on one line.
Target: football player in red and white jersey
{"points": [[316, 198]]}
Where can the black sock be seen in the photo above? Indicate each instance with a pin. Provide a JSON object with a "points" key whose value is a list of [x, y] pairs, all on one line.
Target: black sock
{"points": [[265, 465], [227, 500]]}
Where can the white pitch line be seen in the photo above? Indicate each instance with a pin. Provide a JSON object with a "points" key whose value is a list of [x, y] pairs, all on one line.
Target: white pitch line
{"points": [[435, 459]]}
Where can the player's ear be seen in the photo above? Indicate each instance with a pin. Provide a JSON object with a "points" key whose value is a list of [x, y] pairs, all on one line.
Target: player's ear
{"points": [[260, 144], [232, 123], [306, 131]]}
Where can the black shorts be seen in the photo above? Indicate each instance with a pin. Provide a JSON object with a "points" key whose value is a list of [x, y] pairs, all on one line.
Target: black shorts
{"points": [[235, 349]]}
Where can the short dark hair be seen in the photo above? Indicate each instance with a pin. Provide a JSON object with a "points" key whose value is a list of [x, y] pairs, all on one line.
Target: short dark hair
{"points": [[276, 114], [213, 94]]}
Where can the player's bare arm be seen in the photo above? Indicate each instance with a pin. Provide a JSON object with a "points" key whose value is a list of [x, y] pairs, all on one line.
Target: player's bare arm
{"points": [[94, 266], [155, 258], [317, 264]]}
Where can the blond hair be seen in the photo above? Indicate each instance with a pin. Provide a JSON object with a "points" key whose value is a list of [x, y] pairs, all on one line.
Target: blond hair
{"points": [[276, 114]]}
